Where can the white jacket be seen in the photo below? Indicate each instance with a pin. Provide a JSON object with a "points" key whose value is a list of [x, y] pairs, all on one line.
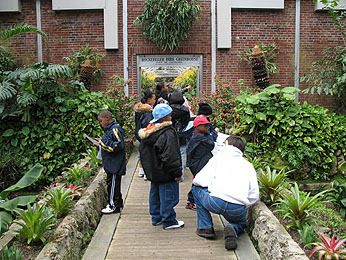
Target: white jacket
{"points": [[230, 177]]}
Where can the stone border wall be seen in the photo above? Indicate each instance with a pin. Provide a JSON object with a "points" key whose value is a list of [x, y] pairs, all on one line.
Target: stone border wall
{"points": [[76, 228], [273, 240]]}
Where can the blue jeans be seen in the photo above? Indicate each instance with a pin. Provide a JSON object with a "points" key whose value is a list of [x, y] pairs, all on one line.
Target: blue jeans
{"points": [[235, 214], [182, 154], [163, 197]]}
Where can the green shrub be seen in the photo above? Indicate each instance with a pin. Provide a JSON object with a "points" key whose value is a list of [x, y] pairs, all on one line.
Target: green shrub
{"points": [[302, 137]]}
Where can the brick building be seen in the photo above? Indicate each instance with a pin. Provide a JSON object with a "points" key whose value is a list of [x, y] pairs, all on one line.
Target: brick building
{"points": [[71, 25]]}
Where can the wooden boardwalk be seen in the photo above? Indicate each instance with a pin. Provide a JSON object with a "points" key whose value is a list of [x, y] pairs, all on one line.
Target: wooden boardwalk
{"points": [[136, 238]]}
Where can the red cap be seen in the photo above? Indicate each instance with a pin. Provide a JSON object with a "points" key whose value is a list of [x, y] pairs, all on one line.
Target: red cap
{"points": [[200, 120]]}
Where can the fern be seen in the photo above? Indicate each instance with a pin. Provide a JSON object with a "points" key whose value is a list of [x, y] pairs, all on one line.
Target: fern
{"points": [[7, 90]]}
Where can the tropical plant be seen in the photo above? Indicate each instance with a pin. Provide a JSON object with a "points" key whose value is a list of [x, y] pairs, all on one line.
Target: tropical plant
{"points": [[329, 217], [329, 248], [298, 207], [7, 206], [61, 200], [256, 162], [168, 22], [337, 195], [76, 174], [271, 184], [11, 253], [342, 167], [270, 51], [76, 191], [34, 222], [307, 234], [79, 57], [20, 90]]}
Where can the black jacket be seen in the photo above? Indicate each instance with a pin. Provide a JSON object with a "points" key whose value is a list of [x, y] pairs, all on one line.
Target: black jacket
{"points": [[160, 154], [199, 151], [143, 115], [113, 149], [180, 119]]}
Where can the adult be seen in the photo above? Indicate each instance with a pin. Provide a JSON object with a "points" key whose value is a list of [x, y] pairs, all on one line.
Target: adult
{"points": [[227, 185]]}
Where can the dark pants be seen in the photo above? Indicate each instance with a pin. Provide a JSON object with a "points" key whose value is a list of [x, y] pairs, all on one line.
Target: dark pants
{"points": [[114, 190]]}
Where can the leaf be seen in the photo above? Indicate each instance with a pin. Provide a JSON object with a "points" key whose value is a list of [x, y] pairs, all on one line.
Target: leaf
{"points": [[261, 116], [29, 178], [25, 130], [8, 132], [18, 201]]}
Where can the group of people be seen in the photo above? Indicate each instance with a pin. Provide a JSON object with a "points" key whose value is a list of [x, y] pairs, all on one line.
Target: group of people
{"points": [[224, 183]]}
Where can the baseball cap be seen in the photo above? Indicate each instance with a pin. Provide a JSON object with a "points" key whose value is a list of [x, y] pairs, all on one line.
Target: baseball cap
{"points": [[200, 120], [160, 111]]}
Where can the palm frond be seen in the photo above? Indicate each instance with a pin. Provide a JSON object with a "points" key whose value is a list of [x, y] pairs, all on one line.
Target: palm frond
{"points": [[7, 90], [19, 29], [58, 71]]}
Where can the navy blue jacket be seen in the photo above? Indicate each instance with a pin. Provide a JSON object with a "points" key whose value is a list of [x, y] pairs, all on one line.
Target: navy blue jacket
{"points": [[211, 131], [113, 149], [199, 151]]}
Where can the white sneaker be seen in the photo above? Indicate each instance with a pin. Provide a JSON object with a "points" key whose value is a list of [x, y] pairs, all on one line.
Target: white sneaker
{"points": [[141, 173], [145, 177], [179, 225], [108, 210]]}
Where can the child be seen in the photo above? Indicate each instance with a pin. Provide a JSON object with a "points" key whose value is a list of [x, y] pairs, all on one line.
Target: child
{"points": [[143, 115], [199, 151], [180, 119], [160, 155], [113, 160]]}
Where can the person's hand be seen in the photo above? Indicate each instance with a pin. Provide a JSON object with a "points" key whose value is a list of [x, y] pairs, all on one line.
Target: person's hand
{"points": [[217, 129], [98, 139], [177, 179], [189, 86]]}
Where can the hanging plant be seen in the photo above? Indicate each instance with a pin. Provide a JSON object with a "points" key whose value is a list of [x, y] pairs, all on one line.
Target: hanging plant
{"points": [[168, 22]]}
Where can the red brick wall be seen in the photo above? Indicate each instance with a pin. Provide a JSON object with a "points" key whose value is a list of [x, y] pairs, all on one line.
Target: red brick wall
{"points": [[70, 30]]}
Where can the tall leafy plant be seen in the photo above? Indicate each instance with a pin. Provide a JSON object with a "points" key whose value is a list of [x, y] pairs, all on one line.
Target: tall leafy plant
{"points": [[7, 206], [168, 22]]}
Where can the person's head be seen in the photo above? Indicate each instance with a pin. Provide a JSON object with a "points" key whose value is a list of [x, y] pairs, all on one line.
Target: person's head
{"points": [[105, 118], [161, 113], [204, 109], [148, 97], [176, 98], [161, 87], [236, 141], [201, 123]]}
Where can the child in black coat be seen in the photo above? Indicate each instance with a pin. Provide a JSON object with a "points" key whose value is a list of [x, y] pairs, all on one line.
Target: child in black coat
{"points": [[199, 151]]}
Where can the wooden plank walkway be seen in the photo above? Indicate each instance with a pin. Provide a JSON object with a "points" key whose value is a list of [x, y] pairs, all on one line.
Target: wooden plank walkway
{"points": [[136, 238]]}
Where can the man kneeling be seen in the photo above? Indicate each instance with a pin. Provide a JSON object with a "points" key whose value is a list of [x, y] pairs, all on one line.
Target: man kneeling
{"points": [[227, 185]]}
